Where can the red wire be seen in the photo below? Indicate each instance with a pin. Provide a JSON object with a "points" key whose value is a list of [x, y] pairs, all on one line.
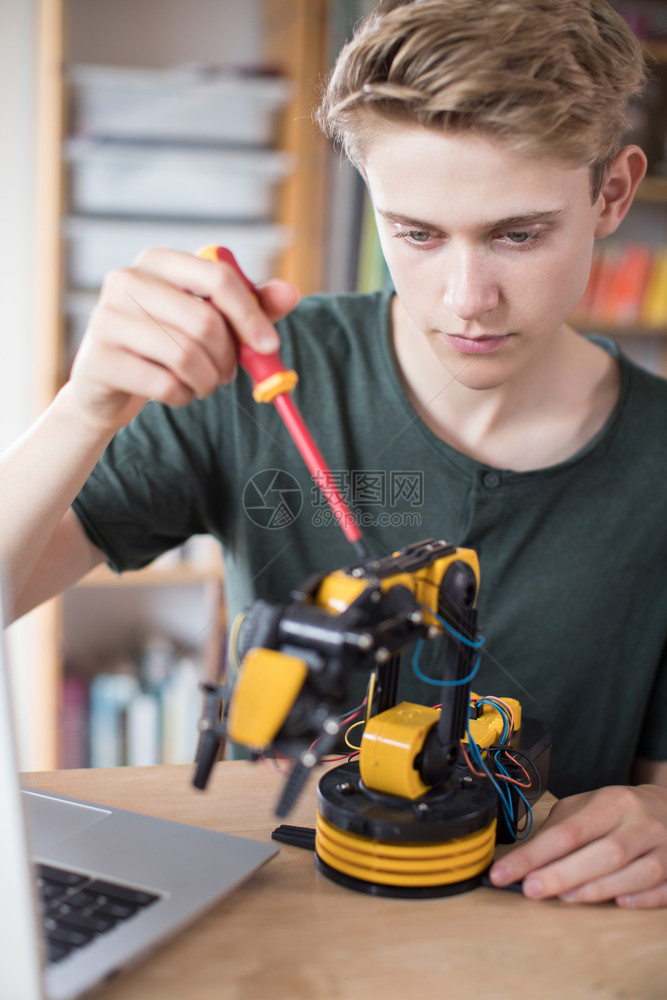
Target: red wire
{"points": [[499, 777], [515, 781], [478, 774], [344, 721]]}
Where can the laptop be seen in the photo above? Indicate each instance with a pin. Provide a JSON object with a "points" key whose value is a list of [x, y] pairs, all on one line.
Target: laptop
{"points": [[86, 890]]}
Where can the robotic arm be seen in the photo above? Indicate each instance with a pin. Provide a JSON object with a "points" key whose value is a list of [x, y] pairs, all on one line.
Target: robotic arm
{"points": [[412, 792]]}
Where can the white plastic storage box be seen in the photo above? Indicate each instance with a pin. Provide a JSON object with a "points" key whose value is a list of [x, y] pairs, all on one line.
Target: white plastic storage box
{"points": [[95, 246], [178, 181], [189, 103]]}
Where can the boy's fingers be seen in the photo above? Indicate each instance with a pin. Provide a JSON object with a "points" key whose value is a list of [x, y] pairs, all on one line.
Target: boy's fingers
{"points": [[595, 846], [168, 328], [144, 297], [142, 378], [645, 874], [168, 346], [222, 286], [650, 899], [277, 298], [629, 848], [555, 840]]}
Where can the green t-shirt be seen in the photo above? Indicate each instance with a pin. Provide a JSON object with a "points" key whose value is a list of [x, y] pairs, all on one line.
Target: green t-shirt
{"points": [[573, 595]]}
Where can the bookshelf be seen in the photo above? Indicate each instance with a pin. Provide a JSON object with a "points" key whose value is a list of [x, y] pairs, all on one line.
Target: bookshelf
{"points": [[652, 189], [627, 294], [293, 36], [290, 38]]}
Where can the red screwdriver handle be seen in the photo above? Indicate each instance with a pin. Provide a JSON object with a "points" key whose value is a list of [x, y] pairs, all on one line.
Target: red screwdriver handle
{"points": [[272, 383], [269, 375]]}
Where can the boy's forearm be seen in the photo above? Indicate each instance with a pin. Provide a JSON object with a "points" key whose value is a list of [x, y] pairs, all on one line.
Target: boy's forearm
{"points": [[40, 475]]}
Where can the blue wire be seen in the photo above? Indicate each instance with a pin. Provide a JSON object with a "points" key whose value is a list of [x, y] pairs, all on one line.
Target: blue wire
{"points": [[504, 771], [433, 680], [464, 680], [504, 795], [501, 712], [476, 754], [529, 811], [529, 814], [472, 643], [506, 803]]}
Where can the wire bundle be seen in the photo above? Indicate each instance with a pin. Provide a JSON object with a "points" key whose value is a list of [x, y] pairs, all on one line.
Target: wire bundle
{"points": [[493, 767]]}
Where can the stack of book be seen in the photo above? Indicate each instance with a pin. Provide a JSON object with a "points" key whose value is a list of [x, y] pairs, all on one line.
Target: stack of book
{"points": [[139, 713], [627, 288]]}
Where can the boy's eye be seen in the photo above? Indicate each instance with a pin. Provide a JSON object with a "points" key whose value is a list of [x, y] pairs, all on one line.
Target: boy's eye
{"points": [[518, 236], [419, 235], [416, 236]]}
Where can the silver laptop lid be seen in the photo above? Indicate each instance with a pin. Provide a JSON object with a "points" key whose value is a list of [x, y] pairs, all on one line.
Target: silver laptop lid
{"points": [[126, 848], [20, 940]]}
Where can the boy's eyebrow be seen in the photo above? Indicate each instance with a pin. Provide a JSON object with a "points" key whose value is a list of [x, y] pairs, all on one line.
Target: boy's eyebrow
{"points": [[525, 219]]}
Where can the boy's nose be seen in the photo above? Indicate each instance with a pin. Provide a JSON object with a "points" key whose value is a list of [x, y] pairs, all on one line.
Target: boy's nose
{"points": [[470, 289]]}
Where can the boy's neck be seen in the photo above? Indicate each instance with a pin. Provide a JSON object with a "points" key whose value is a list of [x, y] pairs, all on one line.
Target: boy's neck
{"points": [[544, 415]]}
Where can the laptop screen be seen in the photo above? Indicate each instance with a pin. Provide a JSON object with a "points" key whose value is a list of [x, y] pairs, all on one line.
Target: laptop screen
{"points": [[20, 940]]}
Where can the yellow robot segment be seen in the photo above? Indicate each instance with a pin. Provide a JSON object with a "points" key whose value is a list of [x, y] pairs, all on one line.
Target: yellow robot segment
{"points": [[512, 704], [340, 589], [406, 865], [425, 583], [268, 686], [488, 728], [389, 746]]}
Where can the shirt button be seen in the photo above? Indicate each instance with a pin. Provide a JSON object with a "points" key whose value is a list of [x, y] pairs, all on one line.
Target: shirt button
{"points": [[491, 480]]}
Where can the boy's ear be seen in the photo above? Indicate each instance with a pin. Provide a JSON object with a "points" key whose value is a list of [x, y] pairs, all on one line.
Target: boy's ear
{"points": [[623, 176]]}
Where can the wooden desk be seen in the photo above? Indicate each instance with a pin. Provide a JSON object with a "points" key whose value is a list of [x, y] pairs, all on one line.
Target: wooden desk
{"points": [[291, 934]]}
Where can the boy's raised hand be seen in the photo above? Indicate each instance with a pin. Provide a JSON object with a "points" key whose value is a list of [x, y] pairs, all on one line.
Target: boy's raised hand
{"points": [[609, 844], [162, 330]]}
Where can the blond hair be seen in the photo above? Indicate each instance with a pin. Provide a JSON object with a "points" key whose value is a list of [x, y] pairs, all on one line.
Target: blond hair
{"points": [[551, 77]]}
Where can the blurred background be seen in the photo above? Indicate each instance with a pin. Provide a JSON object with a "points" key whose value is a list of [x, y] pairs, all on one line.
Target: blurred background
{"points": [[184, 122]]}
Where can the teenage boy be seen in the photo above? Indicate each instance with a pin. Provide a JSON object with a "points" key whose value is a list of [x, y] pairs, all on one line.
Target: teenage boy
{"points": [[489, 135]]}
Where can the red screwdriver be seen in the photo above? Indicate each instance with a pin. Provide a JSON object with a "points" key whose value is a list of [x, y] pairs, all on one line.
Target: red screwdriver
{"points": [[272, 383]]}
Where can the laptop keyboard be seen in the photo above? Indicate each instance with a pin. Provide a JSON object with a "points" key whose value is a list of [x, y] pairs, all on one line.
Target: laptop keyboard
{"points": [[77, 908]]}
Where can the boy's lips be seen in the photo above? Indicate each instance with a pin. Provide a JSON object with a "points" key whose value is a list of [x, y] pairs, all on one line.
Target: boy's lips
{"points": [[485, 344]]}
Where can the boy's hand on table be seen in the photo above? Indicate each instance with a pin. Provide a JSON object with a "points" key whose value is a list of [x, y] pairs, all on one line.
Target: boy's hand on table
{"points": [[162, 330], [610, 844]]}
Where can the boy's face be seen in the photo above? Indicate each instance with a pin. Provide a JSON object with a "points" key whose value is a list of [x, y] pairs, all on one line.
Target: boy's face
{"points": [[489, 250]]}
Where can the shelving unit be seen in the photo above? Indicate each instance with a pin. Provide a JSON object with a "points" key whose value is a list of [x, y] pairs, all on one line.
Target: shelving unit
{"points": [[652, 189], [646, 223], [294, 41], [290, 37]]}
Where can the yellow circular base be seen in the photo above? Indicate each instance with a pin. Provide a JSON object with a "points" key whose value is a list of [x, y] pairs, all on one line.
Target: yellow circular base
{"points": [[403, 864]]}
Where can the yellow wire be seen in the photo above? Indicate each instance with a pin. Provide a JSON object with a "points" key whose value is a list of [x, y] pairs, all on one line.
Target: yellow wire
{"points": [[361, 722], [233, 639], [370, 692]]}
